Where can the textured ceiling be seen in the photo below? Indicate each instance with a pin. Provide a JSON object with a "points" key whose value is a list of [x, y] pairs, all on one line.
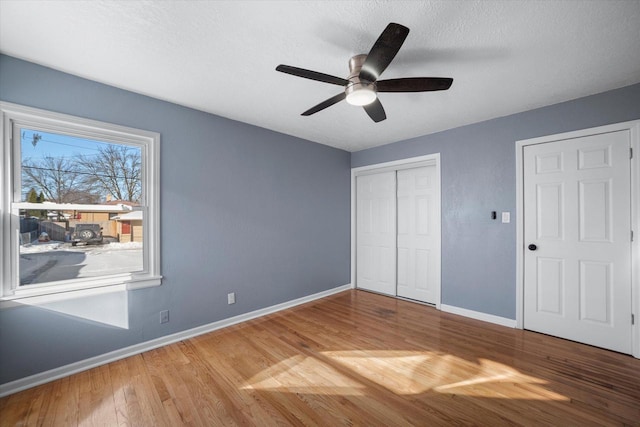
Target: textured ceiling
{"points": [[220, 57]]}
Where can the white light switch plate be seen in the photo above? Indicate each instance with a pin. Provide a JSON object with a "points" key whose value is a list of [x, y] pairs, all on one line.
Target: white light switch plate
{"points": [[506, 217]]}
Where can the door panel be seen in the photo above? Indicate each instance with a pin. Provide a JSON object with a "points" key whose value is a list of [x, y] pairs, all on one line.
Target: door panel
{"points": [[595, 291], [577, 212], [418, 234], [549, 205], [595, 210], [550, 285], [376, 232]]}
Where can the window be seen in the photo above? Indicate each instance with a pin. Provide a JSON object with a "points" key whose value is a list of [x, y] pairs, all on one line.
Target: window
{"points": [[79, 203]]}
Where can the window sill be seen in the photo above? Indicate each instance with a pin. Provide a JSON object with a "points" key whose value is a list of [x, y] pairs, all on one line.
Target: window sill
{"points": [[47, 294]]}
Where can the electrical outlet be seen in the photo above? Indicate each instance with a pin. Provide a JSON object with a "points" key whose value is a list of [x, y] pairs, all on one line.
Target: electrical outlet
{"points": [[231, 298], [164, 316]]}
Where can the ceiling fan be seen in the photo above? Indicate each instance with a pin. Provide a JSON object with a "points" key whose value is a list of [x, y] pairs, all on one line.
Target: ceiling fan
{"points": [[362, 85]]}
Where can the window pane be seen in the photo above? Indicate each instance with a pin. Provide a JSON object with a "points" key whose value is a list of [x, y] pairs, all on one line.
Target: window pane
{"points": [[66, 169], [100, 231]]}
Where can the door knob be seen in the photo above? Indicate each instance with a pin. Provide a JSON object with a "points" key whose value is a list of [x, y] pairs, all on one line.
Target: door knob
{"points": [[532, 247]]}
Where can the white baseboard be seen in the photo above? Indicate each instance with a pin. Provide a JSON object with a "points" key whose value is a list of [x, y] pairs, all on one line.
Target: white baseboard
{"points": [[510, 323], [83, 365]]}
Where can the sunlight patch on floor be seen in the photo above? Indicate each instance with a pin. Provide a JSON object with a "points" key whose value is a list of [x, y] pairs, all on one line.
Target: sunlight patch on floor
{"points": [[498, 380], [402, 372], [394, 369], [301, 374]]}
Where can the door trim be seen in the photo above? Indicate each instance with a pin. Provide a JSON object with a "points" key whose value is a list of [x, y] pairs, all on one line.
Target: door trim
{"points": [[408, 163], [634, 128]]}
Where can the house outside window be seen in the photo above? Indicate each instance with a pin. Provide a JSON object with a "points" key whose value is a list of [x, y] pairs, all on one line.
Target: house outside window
{"points": [[70, 186]]}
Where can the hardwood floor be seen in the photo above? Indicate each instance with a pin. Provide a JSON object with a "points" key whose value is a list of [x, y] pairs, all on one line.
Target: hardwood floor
{"points": [[355, 358]]}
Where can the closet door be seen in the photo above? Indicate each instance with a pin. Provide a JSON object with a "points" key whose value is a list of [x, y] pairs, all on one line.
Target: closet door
{"points": [[418, 210], [376, 232]]}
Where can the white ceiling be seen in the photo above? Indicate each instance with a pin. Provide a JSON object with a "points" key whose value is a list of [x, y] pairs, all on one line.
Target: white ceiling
{"points": [[220, 56]]}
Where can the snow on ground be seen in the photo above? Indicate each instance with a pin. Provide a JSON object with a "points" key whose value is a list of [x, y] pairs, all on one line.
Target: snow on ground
{"points": [[42, 262], [39, 247]]}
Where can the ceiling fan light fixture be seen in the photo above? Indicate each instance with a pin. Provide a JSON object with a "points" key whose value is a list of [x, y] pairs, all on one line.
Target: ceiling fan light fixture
{"points": [[360, 95]]}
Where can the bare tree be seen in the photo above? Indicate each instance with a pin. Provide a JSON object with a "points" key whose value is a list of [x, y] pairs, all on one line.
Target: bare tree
{"points": [[57, 177], [115, 170]]}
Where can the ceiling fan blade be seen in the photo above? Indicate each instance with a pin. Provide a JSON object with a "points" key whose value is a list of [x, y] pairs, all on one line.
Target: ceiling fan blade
{"points": [[324, 104], [383, 51], [375, 111], [313, 75], [414, 84]]}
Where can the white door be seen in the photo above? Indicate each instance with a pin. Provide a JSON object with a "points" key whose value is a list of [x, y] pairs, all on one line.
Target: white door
{"points": [[419, 234], [577, 236], [376, 232]]}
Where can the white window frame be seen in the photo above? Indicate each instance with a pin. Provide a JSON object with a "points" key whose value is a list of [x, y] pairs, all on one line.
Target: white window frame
{"points": [[10, 160]]}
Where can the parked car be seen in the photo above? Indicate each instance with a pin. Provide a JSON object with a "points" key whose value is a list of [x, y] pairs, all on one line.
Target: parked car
{"points": [[87, 234]]}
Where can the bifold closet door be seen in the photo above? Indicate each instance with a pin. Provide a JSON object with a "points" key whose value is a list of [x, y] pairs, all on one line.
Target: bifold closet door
{"points": [[376, 232], [418, 245]]}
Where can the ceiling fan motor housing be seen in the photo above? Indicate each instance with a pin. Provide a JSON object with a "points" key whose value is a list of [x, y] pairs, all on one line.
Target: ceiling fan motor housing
{"points": [[359, 91]]}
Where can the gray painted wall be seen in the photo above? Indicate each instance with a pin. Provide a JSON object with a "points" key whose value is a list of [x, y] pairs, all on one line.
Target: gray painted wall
{"points": [[478, 176], [244, 209]]}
